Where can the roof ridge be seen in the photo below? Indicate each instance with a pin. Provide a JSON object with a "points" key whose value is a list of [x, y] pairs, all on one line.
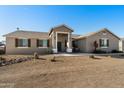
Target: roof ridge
{"points": [[30, 31]]}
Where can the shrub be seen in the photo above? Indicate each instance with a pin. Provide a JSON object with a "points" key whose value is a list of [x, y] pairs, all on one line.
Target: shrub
{"points": [[116, 51], [99, 51], [76, 50], [2, 52]]}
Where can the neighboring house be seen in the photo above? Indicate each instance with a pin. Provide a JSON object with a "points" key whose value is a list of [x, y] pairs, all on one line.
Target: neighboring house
{"points": [[59, 39]]}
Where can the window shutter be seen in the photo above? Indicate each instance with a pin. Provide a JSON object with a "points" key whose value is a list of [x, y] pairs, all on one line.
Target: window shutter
{"points": [[107, 43], [37, 42], [100, 41], [47, 43], [16, 42], [29, 42], [65, 43]]}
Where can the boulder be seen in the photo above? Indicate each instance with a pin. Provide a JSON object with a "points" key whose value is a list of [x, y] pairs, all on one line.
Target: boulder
{"points": [[36, 56]]}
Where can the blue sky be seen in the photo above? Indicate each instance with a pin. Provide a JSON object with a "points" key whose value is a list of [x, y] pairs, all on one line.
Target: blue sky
{"points": [[82, 19]]}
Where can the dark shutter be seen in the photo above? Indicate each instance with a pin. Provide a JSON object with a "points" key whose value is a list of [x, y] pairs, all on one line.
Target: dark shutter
{"points": [[16, 42], [65, 43], [100, 41], [29, 42], [37, 42], [107, 43], [48, 43]]}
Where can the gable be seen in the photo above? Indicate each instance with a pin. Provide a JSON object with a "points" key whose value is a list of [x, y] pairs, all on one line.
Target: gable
{"points": [[91, 34], [104, 33], [61, 28]]}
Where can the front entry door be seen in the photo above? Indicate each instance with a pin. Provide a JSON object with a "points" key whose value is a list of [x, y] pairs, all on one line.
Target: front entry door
{"points": [[59, 46]]}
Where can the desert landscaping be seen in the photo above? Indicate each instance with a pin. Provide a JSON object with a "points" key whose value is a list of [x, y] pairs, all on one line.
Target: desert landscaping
{"points": [[65, 71]]}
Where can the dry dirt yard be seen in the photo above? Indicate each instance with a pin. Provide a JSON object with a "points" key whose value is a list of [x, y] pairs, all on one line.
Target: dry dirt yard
{"points": [[69, 72]]}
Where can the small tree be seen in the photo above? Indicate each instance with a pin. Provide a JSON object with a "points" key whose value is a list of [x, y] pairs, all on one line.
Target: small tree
{"points": [[95, 45]]}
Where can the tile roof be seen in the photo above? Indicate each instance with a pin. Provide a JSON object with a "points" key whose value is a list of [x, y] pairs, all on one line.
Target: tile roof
{"points": [[93, 33], [32, 34], [28, 34], [75, 36]]}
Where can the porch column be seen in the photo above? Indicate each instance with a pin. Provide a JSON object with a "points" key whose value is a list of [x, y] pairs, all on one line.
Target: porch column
{"points": [[53, 45], [69, 45], [54, 39], [56, 42]]}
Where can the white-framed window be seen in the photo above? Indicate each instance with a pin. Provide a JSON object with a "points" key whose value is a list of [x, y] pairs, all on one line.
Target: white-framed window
{"points": [[22, 43], [42, 43], [104, 42]]}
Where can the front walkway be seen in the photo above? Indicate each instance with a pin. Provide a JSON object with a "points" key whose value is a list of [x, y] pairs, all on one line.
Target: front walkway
{"points": [[87, 54]]}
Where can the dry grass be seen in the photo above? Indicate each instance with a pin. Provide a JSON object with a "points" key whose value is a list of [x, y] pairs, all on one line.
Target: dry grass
{"points": [[65, 72]]}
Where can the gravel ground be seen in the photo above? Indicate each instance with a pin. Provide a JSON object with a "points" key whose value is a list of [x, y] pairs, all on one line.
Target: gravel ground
{"points": [[103, 72]]}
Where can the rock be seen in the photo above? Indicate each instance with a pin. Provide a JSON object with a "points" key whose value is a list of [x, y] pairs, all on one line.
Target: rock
{"points": [[7, 63], [53, 60], [4, 61], [0, 64], [19, 60], [1, 58], [36, 56], [3, 64], [91, 56], [16, 61]]}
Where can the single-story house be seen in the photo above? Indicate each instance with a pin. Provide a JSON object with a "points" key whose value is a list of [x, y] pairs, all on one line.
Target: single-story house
{"points": [[59, 39]]}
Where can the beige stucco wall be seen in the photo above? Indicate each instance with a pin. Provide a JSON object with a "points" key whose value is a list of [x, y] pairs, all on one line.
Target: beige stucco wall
{"points": [[11, 49], [113, 42]]}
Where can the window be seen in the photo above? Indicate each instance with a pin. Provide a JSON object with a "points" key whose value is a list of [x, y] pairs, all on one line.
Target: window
{"points": [[22, 42], [42, 43], [104, 43]]}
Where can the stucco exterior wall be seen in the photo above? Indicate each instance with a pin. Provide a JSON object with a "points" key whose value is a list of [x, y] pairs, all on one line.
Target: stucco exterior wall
{"points": [[11, 49], [113, 42]]}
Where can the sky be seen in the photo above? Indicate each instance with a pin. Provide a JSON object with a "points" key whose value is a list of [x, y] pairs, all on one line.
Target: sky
{"points": [[82, 19]]}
